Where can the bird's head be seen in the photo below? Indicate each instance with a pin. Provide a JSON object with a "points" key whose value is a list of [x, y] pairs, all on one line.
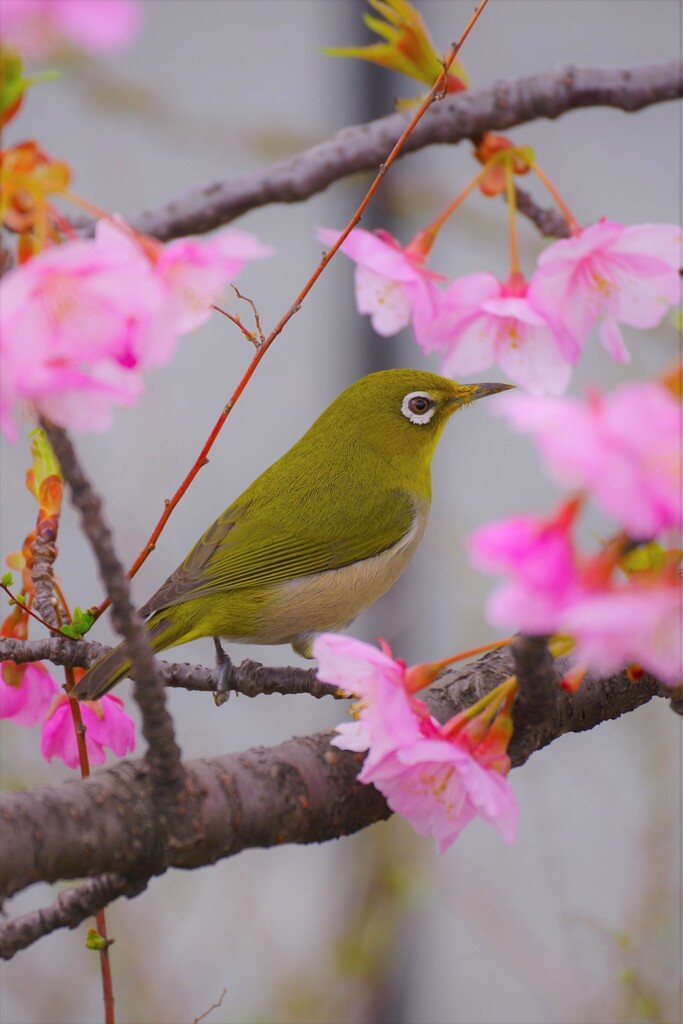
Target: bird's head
{"points": [[402, 413]]}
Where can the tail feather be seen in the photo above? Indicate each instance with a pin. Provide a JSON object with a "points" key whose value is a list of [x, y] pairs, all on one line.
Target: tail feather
{"points": [[115, 665]]}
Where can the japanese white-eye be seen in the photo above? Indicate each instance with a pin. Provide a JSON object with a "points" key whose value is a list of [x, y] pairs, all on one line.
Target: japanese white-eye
{"points": [[319, 536]]}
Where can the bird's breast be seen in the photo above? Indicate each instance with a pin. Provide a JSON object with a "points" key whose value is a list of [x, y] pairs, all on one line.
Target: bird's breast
{"points": [[330, 600]]}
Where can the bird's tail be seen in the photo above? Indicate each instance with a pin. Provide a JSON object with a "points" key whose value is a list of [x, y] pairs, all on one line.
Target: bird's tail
{"points": [[115, 665]]}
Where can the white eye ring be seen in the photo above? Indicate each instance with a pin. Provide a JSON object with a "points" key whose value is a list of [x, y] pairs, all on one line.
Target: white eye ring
{"points": [[418, 417]]}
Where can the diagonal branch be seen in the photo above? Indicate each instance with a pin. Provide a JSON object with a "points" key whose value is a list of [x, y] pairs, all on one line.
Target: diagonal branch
{"points": [[456, 117], [163, 754]]}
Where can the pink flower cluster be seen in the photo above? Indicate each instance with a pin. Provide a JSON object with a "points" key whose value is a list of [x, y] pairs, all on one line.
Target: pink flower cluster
{"points": [[43, 29], [608, 273], [439, 782], [80, 321], [622, 449], [30, 696]]}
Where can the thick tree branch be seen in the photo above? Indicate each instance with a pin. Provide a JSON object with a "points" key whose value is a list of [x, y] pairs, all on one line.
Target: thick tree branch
{"points": [[364, 147], [302, 791]]}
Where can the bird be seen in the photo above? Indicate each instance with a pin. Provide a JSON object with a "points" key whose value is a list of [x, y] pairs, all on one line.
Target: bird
{"points": [[319, 536]]}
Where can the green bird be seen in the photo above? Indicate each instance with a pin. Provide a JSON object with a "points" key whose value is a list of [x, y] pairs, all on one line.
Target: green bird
{"points": [[319, 536]]}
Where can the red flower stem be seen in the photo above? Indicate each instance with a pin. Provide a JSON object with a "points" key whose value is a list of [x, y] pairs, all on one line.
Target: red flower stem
{"points": [[84, 764], [84, 204], [573, 223], [433, 229], [100, 918], [474, 652], [105, 969], [25, 605], [201, 459], [512, 218]]}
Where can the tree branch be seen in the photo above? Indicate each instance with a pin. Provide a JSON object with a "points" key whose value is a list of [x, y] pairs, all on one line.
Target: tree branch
{"points": [[163, 753], [457, 117], [301, 791], [250, 678], [69, 910]]}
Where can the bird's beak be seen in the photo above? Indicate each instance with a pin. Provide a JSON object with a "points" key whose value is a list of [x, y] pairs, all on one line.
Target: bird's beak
{"points": [[466, 393]]}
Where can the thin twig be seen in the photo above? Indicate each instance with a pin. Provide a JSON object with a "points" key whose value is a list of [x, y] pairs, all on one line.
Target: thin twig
{"points": [[249, 335], [214, 1006], [257, 318], [25, 606]]}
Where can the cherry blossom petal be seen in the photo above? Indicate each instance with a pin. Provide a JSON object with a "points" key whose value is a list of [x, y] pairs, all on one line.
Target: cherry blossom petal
{"points": [[637, 623], [27, 703], [622, 447], [385, 301], [373, 252], [40, 29]]}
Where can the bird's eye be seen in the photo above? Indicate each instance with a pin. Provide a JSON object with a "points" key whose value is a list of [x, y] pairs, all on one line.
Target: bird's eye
{"points": [[418, 407]]}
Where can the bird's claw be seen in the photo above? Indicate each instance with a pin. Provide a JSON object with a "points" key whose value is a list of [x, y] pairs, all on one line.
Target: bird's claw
{"points": [[225, 674]]}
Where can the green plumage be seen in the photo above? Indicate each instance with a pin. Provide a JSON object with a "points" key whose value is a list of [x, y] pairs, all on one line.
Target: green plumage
{"points": [[318, 536]]}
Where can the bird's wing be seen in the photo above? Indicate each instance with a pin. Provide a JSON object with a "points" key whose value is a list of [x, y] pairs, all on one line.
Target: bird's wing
{"points": [[236, 552]]}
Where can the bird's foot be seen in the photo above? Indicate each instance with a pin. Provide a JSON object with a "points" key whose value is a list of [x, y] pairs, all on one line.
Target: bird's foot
{"points": [[225, 674]]}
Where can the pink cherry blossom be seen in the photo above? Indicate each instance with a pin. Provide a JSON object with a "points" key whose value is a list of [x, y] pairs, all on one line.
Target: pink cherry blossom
{"points": [[478, 321], [431, 778], [624, 448], [80, 321], [538, 556], [191, 272], [614, 620], [106, 725], [611, 273], [389, 279], [27, 702], [388, 712], [638, 622], [439, 787], [43, 29], [71, 322]]}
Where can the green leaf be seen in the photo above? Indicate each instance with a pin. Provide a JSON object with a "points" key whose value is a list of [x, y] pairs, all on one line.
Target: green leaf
{"points": [[12, 81], [7, 579], [80, 624], [93, 940]]}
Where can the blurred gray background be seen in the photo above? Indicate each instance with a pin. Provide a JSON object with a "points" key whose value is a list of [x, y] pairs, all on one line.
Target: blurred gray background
{"points": [[581, 920]]}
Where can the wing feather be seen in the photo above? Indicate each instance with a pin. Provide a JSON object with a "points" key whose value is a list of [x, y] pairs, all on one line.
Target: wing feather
{"points": [[240, 550]]}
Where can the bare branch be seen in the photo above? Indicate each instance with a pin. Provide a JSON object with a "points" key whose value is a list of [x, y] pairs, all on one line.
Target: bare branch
{"points": [[69, 910], [364, 147], [549, 221], [163, 754], [250, 678]]}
